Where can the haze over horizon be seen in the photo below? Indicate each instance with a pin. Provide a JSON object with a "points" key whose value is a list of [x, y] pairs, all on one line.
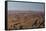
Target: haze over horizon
{"points": [[25, 6]]}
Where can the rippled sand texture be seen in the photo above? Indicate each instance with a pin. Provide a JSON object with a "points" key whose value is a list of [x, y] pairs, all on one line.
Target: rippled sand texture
{"points": [[25, 20]]}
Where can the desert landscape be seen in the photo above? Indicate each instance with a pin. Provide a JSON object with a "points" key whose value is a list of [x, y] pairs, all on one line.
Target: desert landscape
{"points": [[25, 15], [25, 20]]}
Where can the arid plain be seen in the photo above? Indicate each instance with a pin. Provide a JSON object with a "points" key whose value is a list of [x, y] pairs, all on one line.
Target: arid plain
{"points": [[25, 20]]}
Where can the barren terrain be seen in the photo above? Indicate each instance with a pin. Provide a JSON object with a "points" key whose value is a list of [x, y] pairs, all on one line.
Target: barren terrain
{"points": [[25, 20]]}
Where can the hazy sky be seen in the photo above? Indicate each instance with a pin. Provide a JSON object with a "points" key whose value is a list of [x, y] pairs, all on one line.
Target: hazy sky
{"points": [[25, 6]]}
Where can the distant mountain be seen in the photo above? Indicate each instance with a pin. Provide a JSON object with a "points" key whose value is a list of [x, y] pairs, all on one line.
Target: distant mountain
{"points": [[28, 12]]}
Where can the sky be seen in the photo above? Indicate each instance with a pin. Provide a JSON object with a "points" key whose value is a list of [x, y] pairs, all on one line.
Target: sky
{"points": [[20, 6]]}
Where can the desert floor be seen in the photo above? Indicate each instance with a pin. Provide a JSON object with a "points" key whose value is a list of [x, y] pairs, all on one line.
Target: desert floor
{"points": [[25, 20]]}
